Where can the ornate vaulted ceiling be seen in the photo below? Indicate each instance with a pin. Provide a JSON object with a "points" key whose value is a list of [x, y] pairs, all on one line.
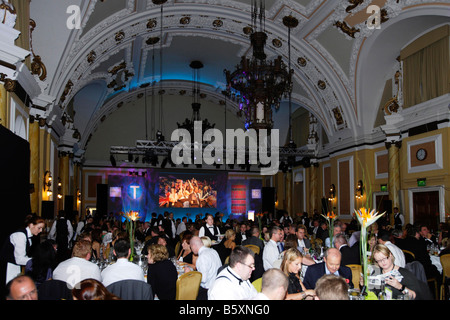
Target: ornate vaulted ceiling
{"points": [[340, 63]]}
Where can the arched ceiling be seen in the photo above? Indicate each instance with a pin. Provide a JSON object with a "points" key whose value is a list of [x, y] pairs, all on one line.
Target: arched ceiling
{"points": [[103, 64]]}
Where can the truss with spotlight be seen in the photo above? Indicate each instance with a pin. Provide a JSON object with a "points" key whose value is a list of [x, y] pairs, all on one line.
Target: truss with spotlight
{"points": [[150, 151]]}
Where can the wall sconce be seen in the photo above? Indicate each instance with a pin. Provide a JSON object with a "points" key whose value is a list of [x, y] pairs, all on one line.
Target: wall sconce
{"points": [[59, 189], [359, 190], [48, 182], [332, 192], [78, 196]]}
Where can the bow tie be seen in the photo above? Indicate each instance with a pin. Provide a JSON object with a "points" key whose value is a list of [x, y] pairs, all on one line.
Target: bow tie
{"points": [[239, 279]]}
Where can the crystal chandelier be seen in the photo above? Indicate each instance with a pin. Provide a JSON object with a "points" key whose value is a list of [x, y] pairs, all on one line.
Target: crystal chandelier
{"points": [[257, 84]]}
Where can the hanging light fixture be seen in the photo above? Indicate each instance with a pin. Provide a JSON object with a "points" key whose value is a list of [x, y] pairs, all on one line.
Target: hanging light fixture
{"points": [[290, 22], [189, 124], [258, 84]]}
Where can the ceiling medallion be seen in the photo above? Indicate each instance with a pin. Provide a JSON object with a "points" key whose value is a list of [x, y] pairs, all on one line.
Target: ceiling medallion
{"points": [[301, 61], [91, 57], [119, 36], [258, 85], [247, 30], [217, 23], [185, 20], [277, 43], [321, 84], [151, 23]]}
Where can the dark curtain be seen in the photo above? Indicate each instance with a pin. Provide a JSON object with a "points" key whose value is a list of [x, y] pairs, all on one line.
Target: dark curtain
{"points": [[14, 182]]}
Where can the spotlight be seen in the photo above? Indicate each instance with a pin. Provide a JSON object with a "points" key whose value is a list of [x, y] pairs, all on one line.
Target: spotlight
{"points": [[154, 160], [159, 136], [113, 160], [284, 166], [130, 157], [164, 162]]}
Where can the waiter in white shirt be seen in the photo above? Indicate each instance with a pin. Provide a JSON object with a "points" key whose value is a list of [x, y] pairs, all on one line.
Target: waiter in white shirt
{"points": [[17, 249], [209, 229]]}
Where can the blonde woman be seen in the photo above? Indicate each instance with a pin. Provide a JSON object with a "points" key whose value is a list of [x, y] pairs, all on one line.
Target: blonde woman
{"points": [[291, 266], [230, 236], [162, 274], [227, 245]]}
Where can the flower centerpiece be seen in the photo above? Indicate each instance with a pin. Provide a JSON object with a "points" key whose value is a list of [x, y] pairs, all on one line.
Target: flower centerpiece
{"points": [[330, 217], [259, 216], [130, 219], [365, 217]]}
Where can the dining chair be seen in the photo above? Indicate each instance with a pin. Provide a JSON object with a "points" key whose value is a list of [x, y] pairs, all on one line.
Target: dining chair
{"points": [[188, 285], [356, 273], [253, 247], [131, 290], [54, 290], [409, 256], [445, 262], [257, 284], [177, 248]]}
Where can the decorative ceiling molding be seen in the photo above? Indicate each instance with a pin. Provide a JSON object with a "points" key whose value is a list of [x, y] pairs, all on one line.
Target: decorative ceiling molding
{"points": [[200, 25]]}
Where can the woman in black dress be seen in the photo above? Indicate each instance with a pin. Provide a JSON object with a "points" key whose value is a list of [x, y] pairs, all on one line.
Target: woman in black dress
{"points": [[186, 254], [291, 266], [161, 273]]}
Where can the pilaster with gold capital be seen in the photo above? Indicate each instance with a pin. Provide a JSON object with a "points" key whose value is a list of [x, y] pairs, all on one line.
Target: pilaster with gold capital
{"points": [[34, 139], [393, 147]]}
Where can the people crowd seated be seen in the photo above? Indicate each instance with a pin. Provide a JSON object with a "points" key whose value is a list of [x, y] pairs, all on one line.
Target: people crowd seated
{"points": [[223, 252]]}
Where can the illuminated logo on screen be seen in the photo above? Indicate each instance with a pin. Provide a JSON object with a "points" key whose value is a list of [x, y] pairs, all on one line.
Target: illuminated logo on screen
{"points": [[135, 192]]}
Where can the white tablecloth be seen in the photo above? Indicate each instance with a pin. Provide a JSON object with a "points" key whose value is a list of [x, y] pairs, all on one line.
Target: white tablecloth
{"points": [[436, 260]]}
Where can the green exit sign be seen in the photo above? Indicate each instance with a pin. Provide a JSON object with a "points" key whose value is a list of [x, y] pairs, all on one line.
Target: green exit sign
{"points": [[421, 182], [383, 187]]}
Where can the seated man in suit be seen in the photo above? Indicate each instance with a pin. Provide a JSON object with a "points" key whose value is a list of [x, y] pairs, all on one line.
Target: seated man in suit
{"points": [[350, 255], [254, 239], [302, 238], [331, 265]]}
